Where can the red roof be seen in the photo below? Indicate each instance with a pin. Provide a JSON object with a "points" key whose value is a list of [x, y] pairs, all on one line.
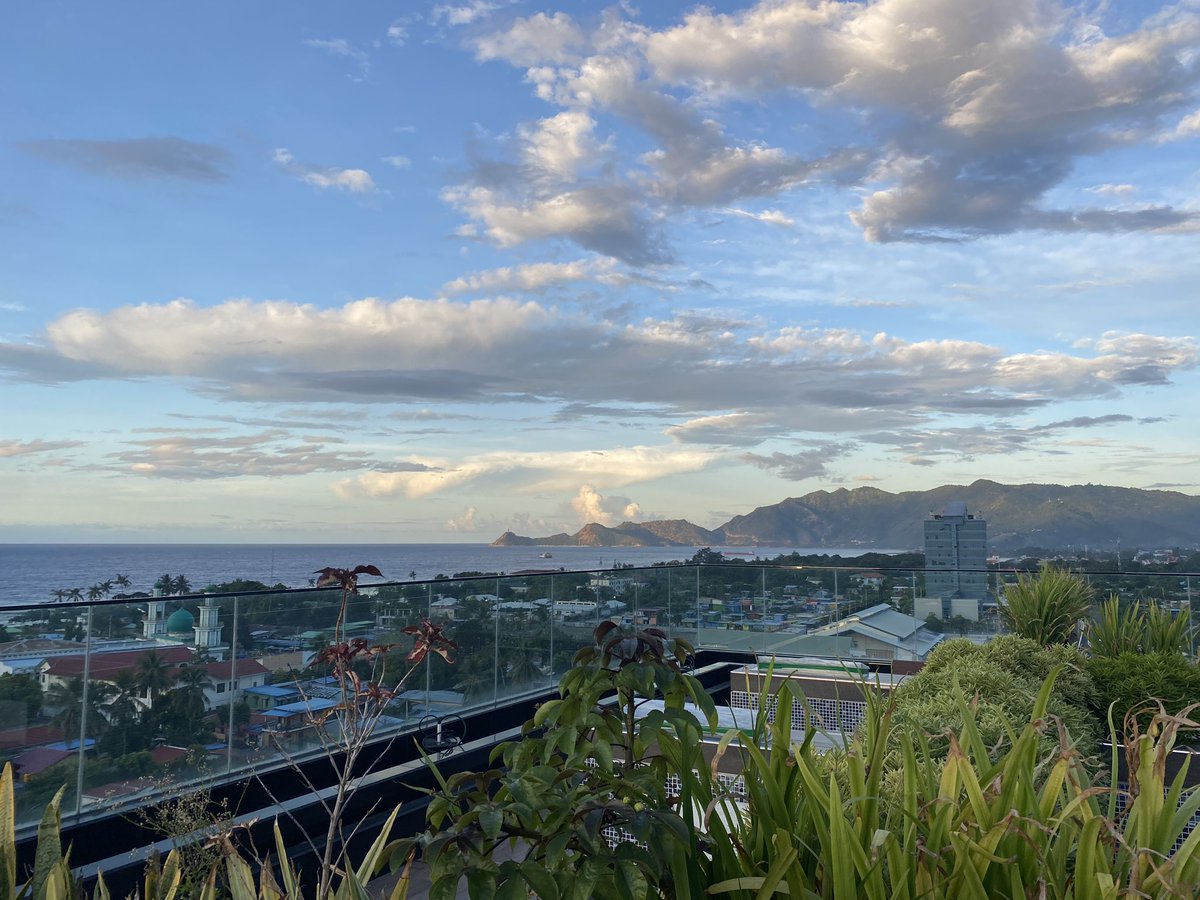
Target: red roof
{"points": [[39, 759], [105, 666], [165, 755], [245, 668], [15, 738], [119, 788]]}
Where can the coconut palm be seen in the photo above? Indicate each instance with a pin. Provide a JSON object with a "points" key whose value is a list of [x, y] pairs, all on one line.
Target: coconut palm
{"points": [[59, 595], [123, 709], [153, 675], [523, 666], [95, 592], [181, 585], [166, 584], [75, 595], [106, 587], [68, 697], [122, 580]]}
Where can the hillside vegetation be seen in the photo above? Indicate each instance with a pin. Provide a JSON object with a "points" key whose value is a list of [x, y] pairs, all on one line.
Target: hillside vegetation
{"points": [[1023, 515]]}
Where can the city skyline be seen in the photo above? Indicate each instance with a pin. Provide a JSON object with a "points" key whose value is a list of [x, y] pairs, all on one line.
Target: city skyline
{"points": [[435, 272]]}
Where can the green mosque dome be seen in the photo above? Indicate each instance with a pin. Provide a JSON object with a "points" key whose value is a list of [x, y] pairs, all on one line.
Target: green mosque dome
{"points": [[180, 622]]}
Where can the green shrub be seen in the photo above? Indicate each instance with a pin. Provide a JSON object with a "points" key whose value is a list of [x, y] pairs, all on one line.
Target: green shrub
{"points": [[1047, 606], [1001, 677], [1025, 822], [1131, 680], [1130, 628]]}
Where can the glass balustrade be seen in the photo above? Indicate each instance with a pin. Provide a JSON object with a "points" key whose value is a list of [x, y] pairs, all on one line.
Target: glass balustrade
{"points": [[121, 701]]}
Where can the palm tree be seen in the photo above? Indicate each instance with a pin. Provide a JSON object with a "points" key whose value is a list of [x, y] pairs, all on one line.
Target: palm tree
{"points": [[181, 585], [192, 679], [183, 715], [106, 587], [59, 595], [122, 580], [68, 697], [166, 584], [474, 685], [153, 676], [75, 595], [95, 592], [523, 666], [123, 709]]}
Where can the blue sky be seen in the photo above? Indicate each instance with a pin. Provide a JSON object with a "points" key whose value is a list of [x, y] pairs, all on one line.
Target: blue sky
{"points": [[430, 271]]}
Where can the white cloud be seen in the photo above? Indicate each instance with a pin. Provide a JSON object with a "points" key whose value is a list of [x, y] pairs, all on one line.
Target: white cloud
{"points": [[536, 40], [726, 383], [343, 48], [399, 162], [1113, 190], [530, 472], [592, 506], [533, 278], [9, 449], [466, 522], [562, 145], [769, 216], [397, 33], [356, 181], [604, 219], [964, 138], [465, 13]]}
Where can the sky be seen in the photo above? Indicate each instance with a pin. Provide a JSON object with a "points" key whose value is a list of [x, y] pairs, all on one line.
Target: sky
{"points": [[430, 271]]}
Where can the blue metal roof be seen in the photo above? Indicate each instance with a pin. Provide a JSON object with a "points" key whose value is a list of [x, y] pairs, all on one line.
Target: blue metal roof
{"points": [[313, 704], [272, 690]]}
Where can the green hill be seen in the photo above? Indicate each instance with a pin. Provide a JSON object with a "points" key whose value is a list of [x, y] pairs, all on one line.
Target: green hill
{"points": [[1021, 515]]}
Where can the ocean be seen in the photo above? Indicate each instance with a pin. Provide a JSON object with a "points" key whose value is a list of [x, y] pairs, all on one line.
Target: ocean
{"points": [[32, 572]]}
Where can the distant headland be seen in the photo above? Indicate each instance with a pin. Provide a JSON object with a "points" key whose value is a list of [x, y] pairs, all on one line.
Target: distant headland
{"points": [[1018, 515]]}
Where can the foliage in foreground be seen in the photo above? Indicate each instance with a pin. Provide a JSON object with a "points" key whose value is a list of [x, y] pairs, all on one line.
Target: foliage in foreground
{"points": [[1002, 679], [1011, 825], [970, 820], [583, 772]]}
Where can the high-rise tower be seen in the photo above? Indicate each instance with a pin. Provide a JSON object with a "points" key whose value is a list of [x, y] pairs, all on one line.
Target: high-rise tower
{"points": [[956, 554]]}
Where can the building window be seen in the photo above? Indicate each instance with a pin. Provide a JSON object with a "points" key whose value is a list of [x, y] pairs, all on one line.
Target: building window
{"points": [[221, 688]]}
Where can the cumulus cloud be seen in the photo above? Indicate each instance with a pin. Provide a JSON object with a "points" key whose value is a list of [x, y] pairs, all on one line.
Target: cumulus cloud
{"points": [[965, 139], [592, 506], [466, 522], [601, 218], [529, 471], [137, 158], [356, 181], [720, 382], [398, 162], [536, 40]]}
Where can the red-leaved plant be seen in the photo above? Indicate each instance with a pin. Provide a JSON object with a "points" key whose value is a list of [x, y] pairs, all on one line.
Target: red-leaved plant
{"points": [[364, 700]]}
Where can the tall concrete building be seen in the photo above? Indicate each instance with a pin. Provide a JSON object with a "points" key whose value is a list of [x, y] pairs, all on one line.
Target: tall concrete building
{"points": [[956, 554]]}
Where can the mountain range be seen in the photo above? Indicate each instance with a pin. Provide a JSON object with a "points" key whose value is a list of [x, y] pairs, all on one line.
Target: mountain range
{"points": [[1018, 515]]}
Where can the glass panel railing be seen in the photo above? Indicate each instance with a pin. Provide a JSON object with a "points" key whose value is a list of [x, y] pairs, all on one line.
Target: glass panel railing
{"points": [[120, 701]]}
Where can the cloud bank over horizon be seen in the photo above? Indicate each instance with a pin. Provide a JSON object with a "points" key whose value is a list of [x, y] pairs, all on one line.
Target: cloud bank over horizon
{"points": [[684, 260]]}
